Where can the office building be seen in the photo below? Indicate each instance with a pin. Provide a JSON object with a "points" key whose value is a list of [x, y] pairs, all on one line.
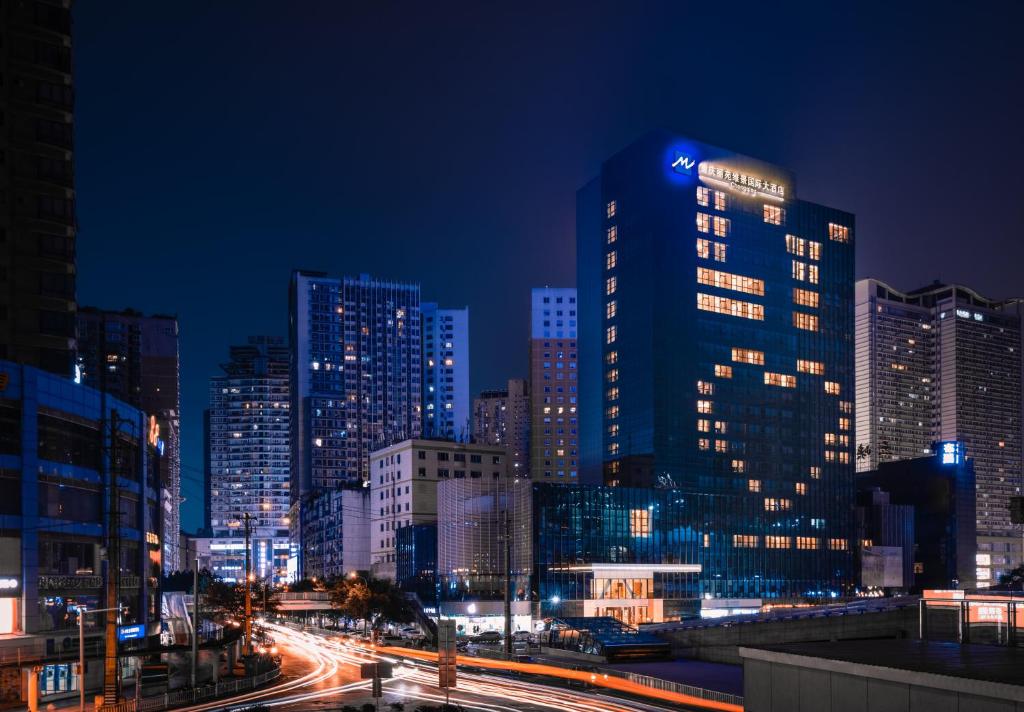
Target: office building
{"points": [[648, 555], [485, 525], [445, 335], [403, 488], [943, 363], [134, 358], [720, 307], [59, 485], [884, 550], [37, 187], [416, 562], [248, 448], [335, 537], [554, 385], [942, 490], [502, 418], [356, 385]]}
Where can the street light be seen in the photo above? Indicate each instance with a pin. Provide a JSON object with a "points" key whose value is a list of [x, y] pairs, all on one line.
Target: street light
{"points": [[82, 611]]}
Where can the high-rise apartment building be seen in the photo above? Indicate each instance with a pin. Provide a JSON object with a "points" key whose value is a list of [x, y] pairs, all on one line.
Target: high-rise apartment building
{"points": [[554, 385], [356, 386], [445, 334], [37, 187], [720, 307], [249, 450], [943, 363], [134, 358], [503, 418]]}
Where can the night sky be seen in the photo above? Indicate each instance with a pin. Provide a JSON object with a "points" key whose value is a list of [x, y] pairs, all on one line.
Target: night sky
{"points": [[219, 145]]}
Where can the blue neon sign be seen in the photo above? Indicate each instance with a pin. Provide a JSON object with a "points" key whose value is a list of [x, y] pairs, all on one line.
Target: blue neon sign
{"points": [[682, 163], [131, 632], [950, 453]]}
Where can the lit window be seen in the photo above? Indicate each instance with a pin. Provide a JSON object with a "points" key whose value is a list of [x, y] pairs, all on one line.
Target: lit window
{"points": [[731, 307], [613, 448], [612, 413], [727, 280], [814, 250], [613, 375], [745, 541], [815, 472], [613, 207], [779, 379], [796, 245], [702, 196], [613, 234], [845, 406], [832, 388], [773, 214], [799, 271], [723, 371], [867, 543], [838, 544], [721, 427], [703, 222], [640, 522], [610, 309], [610, 285], [704, 406], [805, 297], [815, 368], [753, 485], [808, 322], [800, 487], [808, 542], [812, 274], [844, 423], [777, 504], [830, 456], [610, 333], [706, 388], [611, 259], [703, 248], [839, 233], [739, 466], [721, 446], [703, 443], [721, 226], [844, 457], [755, 358], [703, 425], [719, 200], [613, 394], [612, 357], [720, 251], [830, 438], [778, 542]]}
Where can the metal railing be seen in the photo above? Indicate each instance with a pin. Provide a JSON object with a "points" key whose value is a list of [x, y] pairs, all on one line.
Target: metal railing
{"points": [[190, 696]]}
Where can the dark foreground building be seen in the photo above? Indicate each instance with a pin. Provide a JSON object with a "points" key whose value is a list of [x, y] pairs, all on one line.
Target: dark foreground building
{"points": [[718, 310]]}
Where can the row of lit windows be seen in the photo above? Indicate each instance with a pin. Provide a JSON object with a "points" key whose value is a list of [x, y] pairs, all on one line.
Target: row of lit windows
{"points": [[774, 215], [805, 297], [801, 247], [804, 272], [839, 233], [705, 223], [705, 388], [832, 456], [808, 322], [833, 439], [727, 280], [705, 248], [722, 371], [832, 388], [779, 379], [750, 356], [732, 307], [815, 368], [704, 426], [773, 541], [777, 504], [704, 197]]}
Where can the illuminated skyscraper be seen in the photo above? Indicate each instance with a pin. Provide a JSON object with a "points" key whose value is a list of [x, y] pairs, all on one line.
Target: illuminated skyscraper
{"points": [[943, 363], [445, 372], [720, 310], [503, 418]]}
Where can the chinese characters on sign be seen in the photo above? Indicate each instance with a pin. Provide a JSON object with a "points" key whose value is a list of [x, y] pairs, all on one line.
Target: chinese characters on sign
{"points": [[750, 185]]}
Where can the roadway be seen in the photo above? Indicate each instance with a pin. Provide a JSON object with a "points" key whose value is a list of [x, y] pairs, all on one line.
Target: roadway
{"points": [[323, 673]]}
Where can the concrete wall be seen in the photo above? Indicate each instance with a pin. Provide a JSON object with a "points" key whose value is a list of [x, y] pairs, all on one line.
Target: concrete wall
{"points": [[832, 686], [720, 644]]}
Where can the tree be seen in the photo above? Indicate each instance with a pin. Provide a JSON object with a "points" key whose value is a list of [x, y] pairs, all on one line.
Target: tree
{"points": [[228, 599], [371, 600]]}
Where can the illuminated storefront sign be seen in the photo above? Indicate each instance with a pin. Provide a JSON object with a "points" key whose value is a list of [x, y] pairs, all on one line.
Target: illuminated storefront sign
{"points": [[8, 583], [950, 453], [751, 185], [131, 632], [681, 163]]}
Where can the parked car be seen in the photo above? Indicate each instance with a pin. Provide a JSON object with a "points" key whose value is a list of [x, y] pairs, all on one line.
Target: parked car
{"points": [[488, 636], [410, 633], [523, 636]]}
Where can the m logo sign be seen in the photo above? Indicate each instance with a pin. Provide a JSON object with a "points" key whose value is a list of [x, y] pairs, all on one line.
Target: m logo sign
{"points": [[683, 164]]}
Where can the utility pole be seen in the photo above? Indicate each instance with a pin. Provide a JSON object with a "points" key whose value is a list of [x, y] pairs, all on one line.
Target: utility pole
{"points": [[507, 582], [195, 621], [111, 679], [248, 597]]}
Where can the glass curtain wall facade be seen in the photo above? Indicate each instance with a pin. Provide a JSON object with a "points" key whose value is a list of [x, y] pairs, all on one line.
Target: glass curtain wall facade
{"points": [[249, 452], [943, 363], [723, 310], [356, 385], [445, 372]]}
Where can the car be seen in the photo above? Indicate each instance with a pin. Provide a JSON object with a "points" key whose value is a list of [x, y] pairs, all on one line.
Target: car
{"points": [[523, 636], [410, 633], [488, 636]]}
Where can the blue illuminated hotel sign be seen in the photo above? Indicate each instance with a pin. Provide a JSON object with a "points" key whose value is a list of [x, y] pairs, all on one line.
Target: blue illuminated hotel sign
{"points": [[683, 164], [950, 453], [751, 185]]}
